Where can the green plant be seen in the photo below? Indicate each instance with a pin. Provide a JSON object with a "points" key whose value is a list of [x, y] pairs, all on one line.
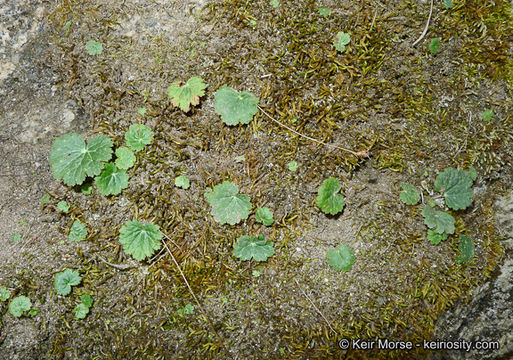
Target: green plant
{"points": [[63, 206], [329, 199], [140, 240], [292, 166], [274, 3], [233, 107], [341, 259], [19, 305], [82, 309], [94, 47], [186, 310], [455, 185], [78, 231], [137, 136], [436, 238], [324, 11], [4, 293], [448, 4], [141, 111], [264, 216], [111, 180], [433, 45], [228, 206], [188, 94], [72, 160], [248, 247], [440, 221], [65, 280], [46, 198], [125, 158], [487, 115], [341, 40], [182, 182], [466, 248], [16, 237], [409, 195]]}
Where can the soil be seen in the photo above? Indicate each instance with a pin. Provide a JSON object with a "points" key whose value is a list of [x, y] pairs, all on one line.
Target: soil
{"points": [[385, 111]]}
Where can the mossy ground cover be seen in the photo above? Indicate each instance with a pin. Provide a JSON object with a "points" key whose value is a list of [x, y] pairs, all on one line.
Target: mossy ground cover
{"points": [[415, 114]]}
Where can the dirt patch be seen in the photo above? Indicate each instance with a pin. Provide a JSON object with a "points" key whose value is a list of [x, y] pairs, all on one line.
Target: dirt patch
{"points": [[415, 113]]}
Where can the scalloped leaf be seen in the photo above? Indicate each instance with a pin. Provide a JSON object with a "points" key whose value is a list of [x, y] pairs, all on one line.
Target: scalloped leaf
{"points": [[140, 241], [4, 293], [409, 195], [125, 158], [19, 305], [137, 136], [435, 238], [455, 185], [264, 215], [182, 181], [248, 247], [112, 180], [78, 231], [188, 94], [63, 206], [228, 206], [341, 40], [341, 259], [94, 47], [466, 248], [81, 311], [65, 280], [234, 107], [329, 199], [440, 221], [72, 160]]}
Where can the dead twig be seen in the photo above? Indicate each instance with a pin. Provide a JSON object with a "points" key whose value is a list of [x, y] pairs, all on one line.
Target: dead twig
{"points": [[195, 298], [427, 25], [363, 153]]}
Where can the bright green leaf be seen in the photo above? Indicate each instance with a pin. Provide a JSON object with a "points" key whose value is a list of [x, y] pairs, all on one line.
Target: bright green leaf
{"points": [[466, 248], [248, 247], [188, 94], [86, 299], [34, 311], [228, 206], [78, 231], [435, 238], [44, 199], [94, 47], [141, 110], [409, 195], [274, 3], [292, 166], [182, 182], [125, 158], [72, 160], [433, 45], [233, 107], [448, 4], [111, 180], [19, 305], [137, 136], [16, 237], [86, 188], [341, 40], [487, 115], [256, 273], [140, 240], [81, 310], [329, 199], [440, 221], [342, 258], [65, 280], [63, 206], [264, 216], [456, 187], [4, 293], [324, 11], [186, 310]]}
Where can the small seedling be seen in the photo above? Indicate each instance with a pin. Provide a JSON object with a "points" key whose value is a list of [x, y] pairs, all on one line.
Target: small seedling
{"points": [[466, 248], [182, 182], [16, 237], [140, 240], [436, 238], [34, 311], [341, 259], [188, 94], [228, 206], [448, 4], [186, 310], [440, 221], [78, 231], [433, 46], [234, 107], [341, 40], [141, 111], [65, 280], [324, 11], [46, 198], [111, 180], [72, 160], [248, 247], [329, 198], [63, 206], [125, 158], [409, 195], [94, 47], [19, 305], [292, 166], [82, 309], [487, 115], [274, 3], [4, 293], [264, 216], [256, 273], [137, 136]]}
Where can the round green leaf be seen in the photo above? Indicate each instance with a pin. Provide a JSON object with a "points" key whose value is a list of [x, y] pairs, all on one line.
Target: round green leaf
{"points": [[81, 310], [455, 184], [440, 221], [78, 231], [248, 247], [137, 136], [4, 293], [341, 258], [63, 206], [233, 107], [264, 216], [292, 166], [182, 182], [112, 180], [87, 300], [329, 199], [409, 195], [19, 305], [228, 206], [125, 158], [94, 47], [140, 240], [341, 40], [188, 94], [65, 280]]}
